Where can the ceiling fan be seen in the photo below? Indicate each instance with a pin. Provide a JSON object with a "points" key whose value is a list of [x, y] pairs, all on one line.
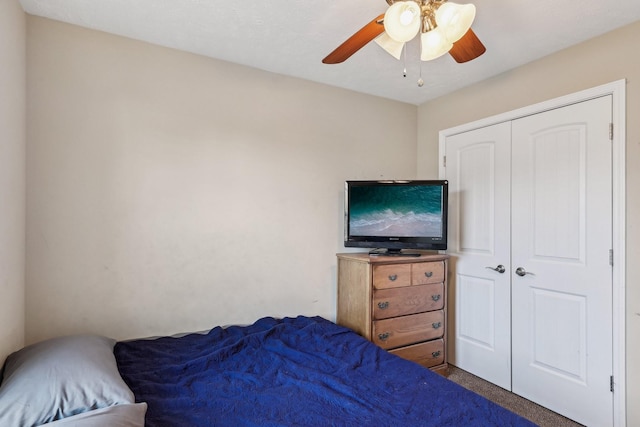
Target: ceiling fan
{"points": [[443, 26]]}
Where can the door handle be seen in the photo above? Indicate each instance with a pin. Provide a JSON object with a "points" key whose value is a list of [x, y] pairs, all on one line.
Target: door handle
{"points": [[500, 268], [522, 272]]}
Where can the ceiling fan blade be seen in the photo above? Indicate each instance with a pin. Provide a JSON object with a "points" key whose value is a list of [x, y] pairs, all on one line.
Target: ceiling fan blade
{"points": [[356, 42], [467, 48]]}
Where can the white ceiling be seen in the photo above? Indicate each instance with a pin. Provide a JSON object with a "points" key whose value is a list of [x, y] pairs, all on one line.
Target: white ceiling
{"points": [[292, 37]]}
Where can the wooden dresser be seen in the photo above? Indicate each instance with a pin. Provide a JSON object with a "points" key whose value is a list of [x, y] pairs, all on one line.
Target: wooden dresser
{"points": [[399, 303]]}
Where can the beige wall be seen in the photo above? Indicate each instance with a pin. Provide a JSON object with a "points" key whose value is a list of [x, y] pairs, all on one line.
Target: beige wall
{"points": [[605, 59], [171, 192], [12, 175]]}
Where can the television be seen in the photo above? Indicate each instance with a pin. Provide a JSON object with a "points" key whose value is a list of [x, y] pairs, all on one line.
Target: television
{"points": [[390, 216]]}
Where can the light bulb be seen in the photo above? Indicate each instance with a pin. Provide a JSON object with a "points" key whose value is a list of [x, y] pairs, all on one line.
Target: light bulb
{"points": [[402, 20], [407, 16]]}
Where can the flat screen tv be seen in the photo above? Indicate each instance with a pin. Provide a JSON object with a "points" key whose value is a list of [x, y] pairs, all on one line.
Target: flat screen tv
{"points": [[389, 216]]}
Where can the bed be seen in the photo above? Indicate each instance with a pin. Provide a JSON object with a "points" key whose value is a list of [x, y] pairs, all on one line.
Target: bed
{"points": [[302, 371]]}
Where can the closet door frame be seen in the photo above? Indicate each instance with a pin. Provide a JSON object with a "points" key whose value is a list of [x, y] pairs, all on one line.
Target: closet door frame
{"points": [[617, 90]]}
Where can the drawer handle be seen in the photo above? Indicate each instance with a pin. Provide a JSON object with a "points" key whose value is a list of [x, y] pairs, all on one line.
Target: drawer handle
{"points": [[428, 273], [393, 277], [383, 305], [436, 354], [435, 297], [436, 325], [383, 336]]}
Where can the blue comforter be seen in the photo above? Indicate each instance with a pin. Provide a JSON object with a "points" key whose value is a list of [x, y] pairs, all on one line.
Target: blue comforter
{"points": [[293, 372]]}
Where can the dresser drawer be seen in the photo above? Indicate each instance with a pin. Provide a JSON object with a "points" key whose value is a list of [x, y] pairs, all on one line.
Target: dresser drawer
{"points": [[391, 276], [427, 354], [405, 330], [427, 272], [408, 300]]}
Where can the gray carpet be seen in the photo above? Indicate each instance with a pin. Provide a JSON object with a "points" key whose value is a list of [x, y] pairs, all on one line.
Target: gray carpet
{"points": [[523, 407]]}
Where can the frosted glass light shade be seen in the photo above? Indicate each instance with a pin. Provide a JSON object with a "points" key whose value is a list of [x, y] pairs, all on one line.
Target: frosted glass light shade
{"points": [[394, 48], [402, 20], [434, 44], [455, 19]]}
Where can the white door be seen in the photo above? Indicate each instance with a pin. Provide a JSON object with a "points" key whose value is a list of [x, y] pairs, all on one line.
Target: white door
{"points": [[535, 193], [561, 238], [479, 174]]}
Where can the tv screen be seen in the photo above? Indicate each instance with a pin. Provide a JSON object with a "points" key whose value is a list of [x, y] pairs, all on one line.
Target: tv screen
{"points": [[396, 215]]}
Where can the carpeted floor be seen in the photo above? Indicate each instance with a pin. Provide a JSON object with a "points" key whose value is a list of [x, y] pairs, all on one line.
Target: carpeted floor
{"points": [[525, 408]]}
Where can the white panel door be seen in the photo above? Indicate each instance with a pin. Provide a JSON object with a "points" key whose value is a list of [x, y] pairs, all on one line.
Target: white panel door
{"points": [[561, 238], [478, 171]]}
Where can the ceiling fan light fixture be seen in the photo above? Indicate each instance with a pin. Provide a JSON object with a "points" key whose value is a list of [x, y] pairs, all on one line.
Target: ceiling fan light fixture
{"points": [[455, 19], [394, 48], [443, 27], [434, 44], [402, 20]]}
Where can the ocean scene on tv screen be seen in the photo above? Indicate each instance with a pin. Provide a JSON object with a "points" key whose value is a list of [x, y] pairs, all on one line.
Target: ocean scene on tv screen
{"points": [[395, 211]]}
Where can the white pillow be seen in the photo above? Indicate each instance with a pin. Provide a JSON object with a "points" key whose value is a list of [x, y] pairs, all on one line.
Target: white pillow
{"points": [[58, 378]]}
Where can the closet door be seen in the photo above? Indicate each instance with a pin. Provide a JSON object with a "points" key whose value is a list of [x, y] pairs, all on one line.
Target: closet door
{"points": [[479, 174], [561, 273]]}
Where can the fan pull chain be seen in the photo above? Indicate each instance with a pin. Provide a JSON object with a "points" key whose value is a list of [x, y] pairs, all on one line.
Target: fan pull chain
{"points": [[404, 60], [420, 81]]}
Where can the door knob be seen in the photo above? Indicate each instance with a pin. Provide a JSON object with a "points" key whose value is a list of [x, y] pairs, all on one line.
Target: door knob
{"points": [[500, 268], [522, 272]]}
